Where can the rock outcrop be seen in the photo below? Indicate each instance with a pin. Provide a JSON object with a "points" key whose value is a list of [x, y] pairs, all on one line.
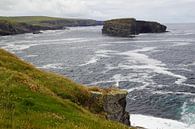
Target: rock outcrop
{"points": [[20, 25], [114, 105], [130, 26], [11, 28], [149, 27], [8, 28]]}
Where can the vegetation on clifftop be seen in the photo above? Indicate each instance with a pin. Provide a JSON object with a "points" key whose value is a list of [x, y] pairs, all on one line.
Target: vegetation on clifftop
{"points": [[128, 27], [30, 19], [34, 99], [42, 19], [28, 24]]}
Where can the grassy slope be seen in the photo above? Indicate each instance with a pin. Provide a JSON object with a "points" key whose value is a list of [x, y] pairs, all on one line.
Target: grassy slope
{"points": [[30, 19], [35, 99], [38, 20]]}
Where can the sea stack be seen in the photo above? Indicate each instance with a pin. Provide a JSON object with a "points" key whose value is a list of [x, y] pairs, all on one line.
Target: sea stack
{"points": [[127, 27]]}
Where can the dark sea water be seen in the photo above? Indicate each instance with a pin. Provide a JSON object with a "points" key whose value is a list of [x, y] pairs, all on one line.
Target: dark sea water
{"points": [[158, 70]]}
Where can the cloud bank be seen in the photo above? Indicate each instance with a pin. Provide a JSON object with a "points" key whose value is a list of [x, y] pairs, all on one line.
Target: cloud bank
{"points": [[161, 10]]}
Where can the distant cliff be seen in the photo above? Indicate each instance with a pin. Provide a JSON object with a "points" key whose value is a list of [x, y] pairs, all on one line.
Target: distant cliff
{"points": [[130, 26], [11, 28], [32, 24]]}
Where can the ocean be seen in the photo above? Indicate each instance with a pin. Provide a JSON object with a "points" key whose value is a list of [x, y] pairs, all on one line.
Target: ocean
{"points": [[158, 70]]}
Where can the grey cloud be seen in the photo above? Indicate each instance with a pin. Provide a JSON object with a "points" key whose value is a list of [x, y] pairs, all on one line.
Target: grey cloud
{"points": [[161, 10]]}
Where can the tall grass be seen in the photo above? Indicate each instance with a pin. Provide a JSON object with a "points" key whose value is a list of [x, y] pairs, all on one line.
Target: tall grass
{"points": [[34, 99]]}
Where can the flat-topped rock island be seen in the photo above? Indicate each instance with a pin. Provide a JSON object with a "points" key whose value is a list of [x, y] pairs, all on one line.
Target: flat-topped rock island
{"points": [[127, 27]]}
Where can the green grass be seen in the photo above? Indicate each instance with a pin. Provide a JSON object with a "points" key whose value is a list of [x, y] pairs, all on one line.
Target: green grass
{"points": [[34, 99], [30, 19], [45, 21], [7, 22]]}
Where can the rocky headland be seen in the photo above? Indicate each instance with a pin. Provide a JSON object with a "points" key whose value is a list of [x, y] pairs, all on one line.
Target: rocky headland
{"points": [[34, 24], [12, 28], [129, 26]]}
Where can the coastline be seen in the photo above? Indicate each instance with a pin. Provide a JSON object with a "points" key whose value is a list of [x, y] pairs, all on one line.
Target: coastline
{"points": [[55, 98], [35, 24], [150, 122]]}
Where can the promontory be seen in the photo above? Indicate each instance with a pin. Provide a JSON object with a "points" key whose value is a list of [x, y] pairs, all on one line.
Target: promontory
{"points": [[129, 26]]}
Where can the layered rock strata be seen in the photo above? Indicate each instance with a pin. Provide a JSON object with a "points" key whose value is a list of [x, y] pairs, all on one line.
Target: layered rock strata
{"points": [[130, 26], [114, 105]]}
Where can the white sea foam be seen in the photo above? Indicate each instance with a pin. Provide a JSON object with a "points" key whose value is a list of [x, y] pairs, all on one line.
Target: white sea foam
{"points": [[59, 41], [104, 45], [50, 31], [13, 47], [176, 40], [91, 61], [170, 92], [52, 66], [192, 64], [150, 122], [181, 44], [29, 56], [104, 53], [56, 41], [188, 113], [130, 77], [143, 79], [139, 88], [98, 54], [99, 82], [118, 42], [142, 61], [183, 33], [143, 65]]}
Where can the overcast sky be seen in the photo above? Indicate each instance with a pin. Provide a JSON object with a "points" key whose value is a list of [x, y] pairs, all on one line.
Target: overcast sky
{"points": [[161, 10]]}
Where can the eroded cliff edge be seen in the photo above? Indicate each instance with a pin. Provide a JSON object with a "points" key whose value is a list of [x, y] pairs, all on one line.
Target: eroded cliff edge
{"points": [[129, 26], [113, 104]]}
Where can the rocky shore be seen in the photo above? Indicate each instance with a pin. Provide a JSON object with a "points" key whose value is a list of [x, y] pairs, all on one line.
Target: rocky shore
{"points": [[12, 28], [34, 24], [130, 26]]}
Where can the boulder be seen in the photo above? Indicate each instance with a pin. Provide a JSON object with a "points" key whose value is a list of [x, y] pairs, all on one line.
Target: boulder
{"points": [[130, 26]]}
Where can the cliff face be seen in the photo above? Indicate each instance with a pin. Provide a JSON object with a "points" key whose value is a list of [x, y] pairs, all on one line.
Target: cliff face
{"points": [[119, 27], [130, 26], [11, 28], [149, 27], [114, 105], [7, 28], [27, 24]]}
